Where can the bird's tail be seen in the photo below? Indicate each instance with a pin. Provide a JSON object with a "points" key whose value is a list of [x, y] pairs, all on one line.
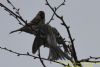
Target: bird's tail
{"points": [[57, 53]]}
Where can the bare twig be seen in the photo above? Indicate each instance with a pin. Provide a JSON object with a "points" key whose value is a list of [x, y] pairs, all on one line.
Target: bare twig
{"points": [[11, 4], [55, 9], [16, 16], [40, 58], [67, 27], [28, 54], [13, 14], [14, 8], [51, 18], [94, 57], [73, 52], [91, 60]]}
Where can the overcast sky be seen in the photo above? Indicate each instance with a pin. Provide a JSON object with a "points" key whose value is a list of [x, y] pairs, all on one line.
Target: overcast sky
{"points": [[83, 16]]}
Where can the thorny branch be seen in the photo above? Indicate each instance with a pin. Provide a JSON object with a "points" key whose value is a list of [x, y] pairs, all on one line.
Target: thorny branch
{"points": [[55, 9], [67, 27], [28, 54], [16, 16], [90, 59], [35, 57], [17, 10], [70, 37], [13, 14]]}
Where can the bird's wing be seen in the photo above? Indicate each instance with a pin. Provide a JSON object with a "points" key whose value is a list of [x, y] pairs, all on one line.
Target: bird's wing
{"points": [[37, 43], [60, 40], [55, 51]]}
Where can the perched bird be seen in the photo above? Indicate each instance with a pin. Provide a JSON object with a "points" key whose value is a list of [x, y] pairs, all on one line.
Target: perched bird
{"points": [[46, 37], [32, 27]]}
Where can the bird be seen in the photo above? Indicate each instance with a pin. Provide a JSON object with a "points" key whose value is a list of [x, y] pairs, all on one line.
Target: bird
{"points": [[46, 37], [32, 26]]}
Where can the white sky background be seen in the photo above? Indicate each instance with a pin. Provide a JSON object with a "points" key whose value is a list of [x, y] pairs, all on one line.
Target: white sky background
{"points": [[83, 16]]}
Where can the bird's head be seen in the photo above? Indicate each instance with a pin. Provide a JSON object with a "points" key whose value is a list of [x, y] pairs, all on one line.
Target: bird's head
{"points": [[41, 14]]}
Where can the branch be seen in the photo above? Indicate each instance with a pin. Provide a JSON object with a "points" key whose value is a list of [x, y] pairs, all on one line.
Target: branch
{"points": [[55, 9], [90, 59], [11, 4], [51, 19], [40, 58], [16, 10], [13, 14], [28, 54], [67, 27], [16, 16], [73, 52]]}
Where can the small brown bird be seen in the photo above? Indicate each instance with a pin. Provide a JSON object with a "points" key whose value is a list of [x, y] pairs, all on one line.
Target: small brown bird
{"points": [[46, 37], [32, 27]]}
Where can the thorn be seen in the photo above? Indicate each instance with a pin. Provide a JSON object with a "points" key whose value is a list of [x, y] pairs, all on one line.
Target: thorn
{"points": [[96, 58], [5, 48], [64, 0], [20, 23], [8, 1], [18, 54], [18, 9], [61, 17], [28, 53], [13, 8], [68, 26], [26, 21], [10, 14], [46, 3], [63, 3], [62, 23], [73, 39], [90, 57], [34, 57], [55, 8]]}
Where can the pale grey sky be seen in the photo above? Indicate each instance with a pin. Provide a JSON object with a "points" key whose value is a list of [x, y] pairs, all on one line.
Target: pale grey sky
{"points": [[83, 16]]}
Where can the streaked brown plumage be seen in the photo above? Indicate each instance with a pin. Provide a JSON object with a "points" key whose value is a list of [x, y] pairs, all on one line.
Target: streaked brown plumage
{"points": [[47, 36]]}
